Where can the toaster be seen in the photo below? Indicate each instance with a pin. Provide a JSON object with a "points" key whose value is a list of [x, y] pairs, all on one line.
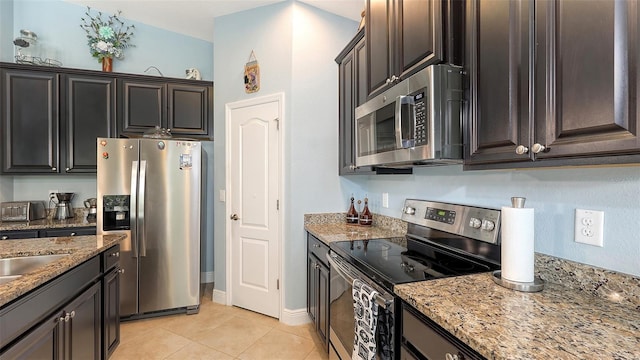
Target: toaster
{"points": [[22, 210]]}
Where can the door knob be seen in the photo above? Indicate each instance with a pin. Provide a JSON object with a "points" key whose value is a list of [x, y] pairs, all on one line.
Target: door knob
{"points": [[234, 217]]}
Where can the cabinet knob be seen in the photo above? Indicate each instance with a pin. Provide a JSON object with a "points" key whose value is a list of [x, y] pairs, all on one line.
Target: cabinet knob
{"points": [[5, 237], [121, 271], [115, 254], [394, 78], [316, 246], [72, 314], [67, 169], [72, 234], [54, 169], [521, 150], [537, 148], [388, 81]]}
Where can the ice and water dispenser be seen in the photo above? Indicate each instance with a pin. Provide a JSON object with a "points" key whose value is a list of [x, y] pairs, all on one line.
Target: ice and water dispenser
{"points": [[116, 213]]}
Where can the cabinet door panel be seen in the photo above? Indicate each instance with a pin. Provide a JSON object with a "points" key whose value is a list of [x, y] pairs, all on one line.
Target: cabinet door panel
{"points": [[111, 312], [346, 116], [312, 291], [142, 106], [30, 121], [323, 303], [419, 34], [498, 62], [590, 79], [188, 109], [43, 342], [377, 37], [90, 113], [84, 328]]}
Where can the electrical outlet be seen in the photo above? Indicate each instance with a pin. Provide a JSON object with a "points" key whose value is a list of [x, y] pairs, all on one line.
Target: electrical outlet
{"points": [[385, 200], [589, 227], [52, 194]]}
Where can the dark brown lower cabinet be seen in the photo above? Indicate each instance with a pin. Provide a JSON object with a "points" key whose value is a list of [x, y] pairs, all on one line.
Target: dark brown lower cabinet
{"points": [[111, 311], [74, 316], [318, 287]]}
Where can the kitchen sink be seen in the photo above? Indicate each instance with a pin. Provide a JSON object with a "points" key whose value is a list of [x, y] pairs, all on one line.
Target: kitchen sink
{"points": [[11, 267]]}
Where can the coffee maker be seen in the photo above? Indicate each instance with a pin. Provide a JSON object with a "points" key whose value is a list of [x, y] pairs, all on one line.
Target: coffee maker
{"points": [[92, 205], [63, 206]]}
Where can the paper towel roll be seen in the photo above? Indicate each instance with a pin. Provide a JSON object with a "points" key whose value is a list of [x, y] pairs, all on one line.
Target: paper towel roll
{"points": [[517, 244]]}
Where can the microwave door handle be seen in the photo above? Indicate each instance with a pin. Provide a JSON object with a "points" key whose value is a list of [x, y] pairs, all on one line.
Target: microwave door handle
{"points": [[400, 122]]}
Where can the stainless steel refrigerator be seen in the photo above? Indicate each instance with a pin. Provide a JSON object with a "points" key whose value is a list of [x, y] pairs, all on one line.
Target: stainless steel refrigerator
{"points": [[150, 190]]}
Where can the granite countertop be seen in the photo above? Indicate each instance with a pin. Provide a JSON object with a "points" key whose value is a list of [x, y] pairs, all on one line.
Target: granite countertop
{"points": [[329, 233], [556, 323], [48, 223], [332, 227], [79, 248]]}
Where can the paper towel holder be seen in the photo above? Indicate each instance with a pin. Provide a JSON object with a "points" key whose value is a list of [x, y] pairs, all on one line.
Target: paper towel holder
{"points": [[535, 286]]}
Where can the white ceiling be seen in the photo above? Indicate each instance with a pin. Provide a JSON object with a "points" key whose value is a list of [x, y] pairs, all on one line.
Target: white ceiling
{"points": [[195, 17]]}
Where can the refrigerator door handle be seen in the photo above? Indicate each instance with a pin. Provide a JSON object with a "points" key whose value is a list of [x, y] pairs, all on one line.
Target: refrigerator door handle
{"points": [[134, 199], [141, 200]]}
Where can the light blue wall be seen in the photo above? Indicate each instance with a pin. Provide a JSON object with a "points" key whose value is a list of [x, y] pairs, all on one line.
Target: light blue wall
{"points": [[553, 193], [295, 45], [57, 24]]}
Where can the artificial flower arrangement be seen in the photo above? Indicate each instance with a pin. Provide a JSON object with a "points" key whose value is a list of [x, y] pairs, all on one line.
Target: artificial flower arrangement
{"points": [[107, 39]]}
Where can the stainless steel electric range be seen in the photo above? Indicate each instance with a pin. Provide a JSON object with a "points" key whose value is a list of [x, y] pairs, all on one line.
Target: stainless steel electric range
{"points": [[442, 240]]}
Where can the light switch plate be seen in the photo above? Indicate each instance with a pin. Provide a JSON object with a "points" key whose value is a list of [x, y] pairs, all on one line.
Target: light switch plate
{"points": [[385, 200], [589, 227], [222, 196]]}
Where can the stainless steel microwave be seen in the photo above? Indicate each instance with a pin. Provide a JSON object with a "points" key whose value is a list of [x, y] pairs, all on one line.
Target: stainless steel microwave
{"points": [[416, 122]]}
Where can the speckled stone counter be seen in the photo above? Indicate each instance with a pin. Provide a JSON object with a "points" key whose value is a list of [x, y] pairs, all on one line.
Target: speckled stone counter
{"points": [[79, 248], [332, 227], [557, 323], [79, 220]]}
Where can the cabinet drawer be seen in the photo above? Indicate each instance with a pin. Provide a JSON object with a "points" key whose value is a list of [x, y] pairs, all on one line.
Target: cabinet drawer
{"points": [[79, 231], [110, 258], [318, 248], [18, 234]]}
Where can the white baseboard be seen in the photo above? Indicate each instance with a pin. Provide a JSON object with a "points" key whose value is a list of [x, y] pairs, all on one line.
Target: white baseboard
{"points": [[219, 297], [206, 277], [295, 317]]}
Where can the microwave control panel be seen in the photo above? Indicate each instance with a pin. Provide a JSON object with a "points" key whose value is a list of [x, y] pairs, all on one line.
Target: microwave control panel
{"points": [[421, 135]]}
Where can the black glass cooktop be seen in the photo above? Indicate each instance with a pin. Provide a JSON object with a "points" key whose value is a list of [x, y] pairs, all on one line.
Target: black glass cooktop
{"points": [[389, 264]]}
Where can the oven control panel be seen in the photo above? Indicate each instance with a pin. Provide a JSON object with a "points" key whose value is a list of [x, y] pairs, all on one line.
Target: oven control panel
{"points": [[471, 221]]}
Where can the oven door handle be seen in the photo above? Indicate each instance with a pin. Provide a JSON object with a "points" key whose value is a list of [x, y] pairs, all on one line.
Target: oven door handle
{"points": [[344, 273]]}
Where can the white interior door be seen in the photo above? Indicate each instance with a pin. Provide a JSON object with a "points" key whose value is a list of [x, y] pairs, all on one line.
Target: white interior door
{"points": [[254, 220]]}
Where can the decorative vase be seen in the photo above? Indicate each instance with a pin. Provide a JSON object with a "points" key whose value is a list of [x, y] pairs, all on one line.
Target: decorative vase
{"points": [[107, 64]]}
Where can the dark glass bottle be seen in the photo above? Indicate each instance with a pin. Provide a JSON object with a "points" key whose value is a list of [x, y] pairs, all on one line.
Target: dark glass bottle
{"points": [[366, 218], [352, 214]]}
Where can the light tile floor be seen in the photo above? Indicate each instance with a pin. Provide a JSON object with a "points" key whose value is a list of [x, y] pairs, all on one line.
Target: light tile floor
{"points": [[217, 332]]}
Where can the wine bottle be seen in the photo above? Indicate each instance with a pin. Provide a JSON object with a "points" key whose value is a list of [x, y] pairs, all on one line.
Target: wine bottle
{"points": [[352, 214], [366, 218]]}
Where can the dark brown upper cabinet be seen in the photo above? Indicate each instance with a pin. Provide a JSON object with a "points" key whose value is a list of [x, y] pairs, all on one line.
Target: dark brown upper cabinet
{"points": [[587, 78], [141, 106], [352, 92], [52, 119], [498, 65], [190, 109], [552, 83], [30, 121], [404, 36], [89, 112], [184, 107]]}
